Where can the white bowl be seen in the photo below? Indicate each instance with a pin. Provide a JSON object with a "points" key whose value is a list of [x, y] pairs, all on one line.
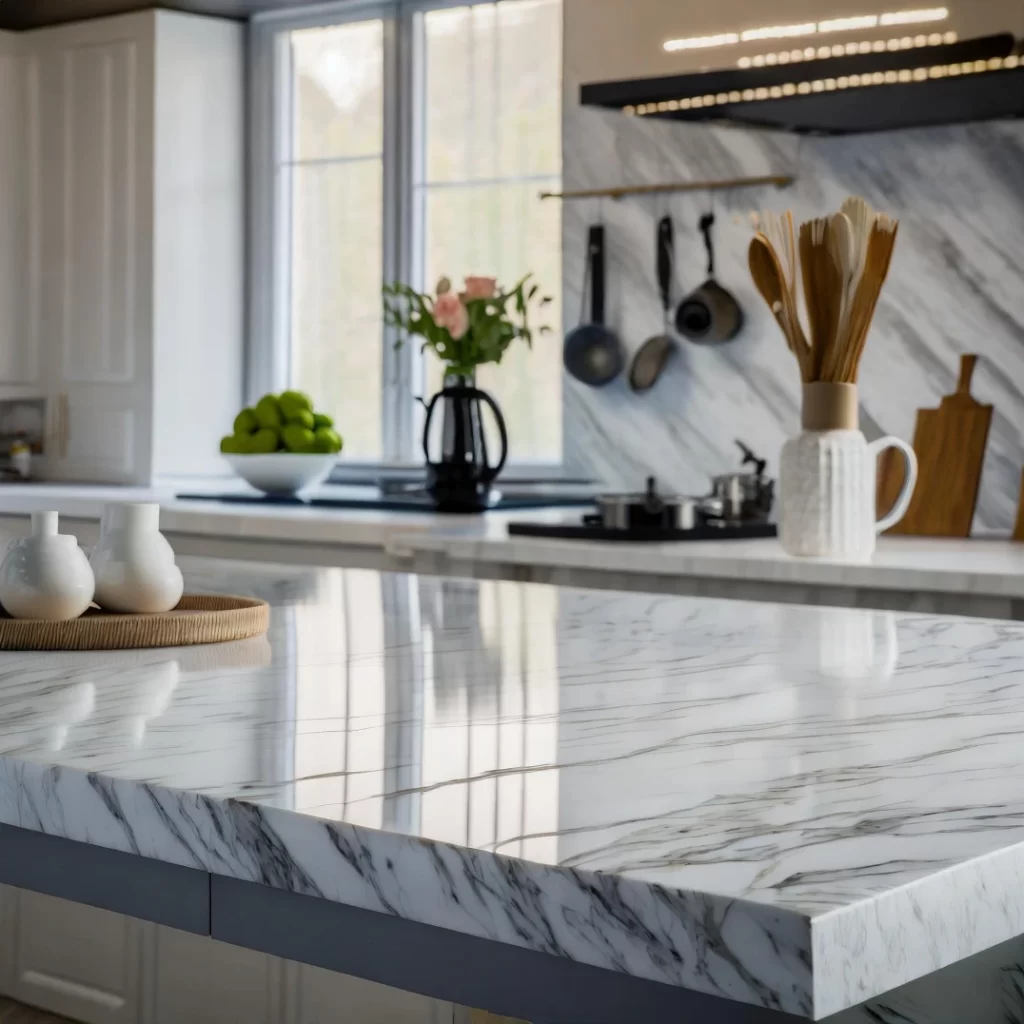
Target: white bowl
{"points": [[283, 474]]}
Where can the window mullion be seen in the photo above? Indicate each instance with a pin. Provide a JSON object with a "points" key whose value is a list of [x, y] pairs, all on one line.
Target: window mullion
{"points": [[393, 376]]}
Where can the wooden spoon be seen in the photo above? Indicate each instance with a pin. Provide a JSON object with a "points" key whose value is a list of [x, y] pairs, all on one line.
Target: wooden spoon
{"points": [[766, 270]]}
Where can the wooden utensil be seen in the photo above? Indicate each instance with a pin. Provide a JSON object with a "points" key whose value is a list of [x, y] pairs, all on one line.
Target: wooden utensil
{"points": [[1018, 530], [769, 277], [950, 446]]}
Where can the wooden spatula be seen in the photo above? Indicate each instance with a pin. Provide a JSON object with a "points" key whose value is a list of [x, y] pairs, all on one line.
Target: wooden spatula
{"points": [[950, 445]]}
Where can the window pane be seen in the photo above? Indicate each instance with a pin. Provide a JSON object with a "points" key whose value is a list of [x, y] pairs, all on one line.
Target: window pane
{"points": [[336, 281], [337, 95], [507, 232], [333, 178], [492, 114], [493, 90]]}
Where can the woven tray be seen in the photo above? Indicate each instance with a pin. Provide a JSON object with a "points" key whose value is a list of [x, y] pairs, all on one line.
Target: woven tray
{"points": [[198, 619]]}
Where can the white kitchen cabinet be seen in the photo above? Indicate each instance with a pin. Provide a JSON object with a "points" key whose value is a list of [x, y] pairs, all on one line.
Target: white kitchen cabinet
{"points": [[17, 358], [70, 959], [314, 995], [188, 978], [102, 968], [129, 317]]}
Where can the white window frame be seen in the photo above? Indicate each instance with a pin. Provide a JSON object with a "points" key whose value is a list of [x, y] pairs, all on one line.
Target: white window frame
{"points": [[267, 355]]}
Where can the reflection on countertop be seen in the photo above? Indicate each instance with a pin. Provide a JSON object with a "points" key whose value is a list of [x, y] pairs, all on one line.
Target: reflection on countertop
{"points": [[821, 765]]}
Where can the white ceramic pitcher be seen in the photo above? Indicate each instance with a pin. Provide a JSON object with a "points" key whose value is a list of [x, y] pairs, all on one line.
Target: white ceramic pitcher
{"points": [[827, 491]]}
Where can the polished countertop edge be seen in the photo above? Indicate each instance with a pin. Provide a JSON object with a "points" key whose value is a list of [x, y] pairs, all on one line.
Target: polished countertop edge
{"points": [[721, 946], [917, 929], [748, 560], [730, 948]]}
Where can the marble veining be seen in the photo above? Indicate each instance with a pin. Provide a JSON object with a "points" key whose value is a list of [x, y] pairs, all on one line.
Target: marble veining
{"points": [[954, 287], [797, 808]]}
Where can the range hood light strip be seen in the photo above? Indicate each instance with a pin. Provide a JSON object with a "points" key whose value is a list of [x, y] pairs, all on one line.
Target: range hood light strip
{"points": [[810, 28], [779, 32], [848, 50], [854, 81], [849, 24], [914, 17], [702, 42]]}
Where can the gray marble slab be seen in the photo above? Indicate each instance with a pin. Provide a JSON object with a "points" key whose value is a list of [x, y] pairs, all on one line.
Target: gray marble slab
{"points": [[796, 808]]}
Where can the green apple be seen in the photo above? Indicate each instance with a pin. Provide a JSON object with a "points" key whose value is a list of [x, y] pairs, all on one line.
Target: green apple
{"points": [[297, 438], [230, 446], [293, 402], [301, 418], [327, 441], [268, 412], [246, 422], [322, 420], [264, 442]]}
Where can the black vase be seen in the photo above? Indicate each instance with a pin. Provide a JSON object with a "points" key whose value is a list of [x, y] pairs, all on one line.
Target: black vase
{"points": [[460, 479]]}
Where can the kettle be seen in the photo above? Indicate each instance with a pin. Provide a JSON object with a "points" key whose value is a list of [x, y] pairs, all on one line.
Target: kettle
{"points": [[460, 479]]}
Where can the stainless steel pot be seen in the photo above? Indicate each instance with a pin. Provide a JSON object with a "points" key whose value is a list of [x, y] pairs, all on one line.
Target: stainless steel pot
{"points": [[647, 510]]}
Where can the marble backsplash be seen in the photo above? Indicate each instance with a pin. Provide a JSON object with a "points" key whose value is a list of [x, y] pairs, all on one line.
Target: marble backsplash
{"points": [[956, 285]]}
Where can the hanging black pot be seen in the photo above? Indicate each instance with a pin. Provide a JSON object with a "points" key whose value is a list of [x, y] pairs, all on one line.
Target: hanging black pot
{"points": [[460, 479], [592, 353], [710, 314]]}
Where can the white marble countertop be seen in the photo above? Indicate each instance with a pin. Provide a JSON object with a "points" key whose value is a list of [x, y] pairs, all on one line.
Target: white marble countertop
{"points": [[797, 808], [990, 566], [979, 566]]}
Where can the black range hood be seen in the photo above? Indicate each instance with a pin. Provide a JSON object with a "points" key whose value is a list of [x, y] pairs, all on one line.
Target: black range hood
{"points": [[974, 80]]}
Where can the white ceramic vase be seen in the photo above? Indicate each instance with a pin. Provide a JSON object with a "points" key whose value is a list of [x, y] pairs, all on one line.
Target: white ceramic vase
{"points": [[134, 564], [827, 485], [45, 576]]}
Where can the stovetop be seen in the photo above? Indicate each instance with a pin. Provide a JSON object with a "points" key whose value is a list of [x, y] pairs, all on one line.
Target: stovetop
{"points": [[396, 502], [649, 535]]}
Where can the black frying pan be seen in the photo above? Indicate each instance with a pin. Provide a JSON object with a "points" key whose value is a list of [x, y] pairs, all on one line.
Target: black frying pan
{"points": [[592, 353], [711, 314], [654, 353]]}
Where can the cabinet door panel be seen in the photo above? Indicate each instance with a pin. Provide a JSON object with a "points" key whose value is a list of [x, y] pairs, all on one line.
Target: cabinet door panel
{"points": [[98, 90], [90, 136], [206, 982], [69, 959], [19, 346], [316, 995]]}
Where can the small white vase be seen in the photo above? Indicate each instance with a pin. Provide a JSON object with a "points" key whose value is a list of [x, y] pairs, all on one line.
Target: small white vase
{"points": [[827, 488], [134, 564], [45, 576]]}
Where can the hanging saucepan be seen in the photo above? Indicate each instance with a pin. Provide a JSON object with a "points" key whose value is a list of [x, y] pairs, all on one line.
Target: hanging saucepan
{"points": [[592, 353], [654, 353], [711, 314]]}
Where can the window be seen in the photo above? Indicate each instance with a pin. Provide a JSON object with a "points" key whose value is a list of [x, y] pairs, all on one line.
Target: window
{"points": [[404, 141]]}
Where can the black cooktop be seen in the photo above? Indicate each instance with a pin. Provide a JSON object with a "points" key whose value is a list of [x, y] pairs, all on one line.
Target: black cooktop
{"points": [[585, 531], [392, 502]]}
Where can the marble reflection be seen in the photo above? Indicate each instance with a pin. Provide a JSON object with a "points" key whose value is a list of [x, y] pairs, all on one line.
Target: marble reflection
{"points": [[720, 795]]}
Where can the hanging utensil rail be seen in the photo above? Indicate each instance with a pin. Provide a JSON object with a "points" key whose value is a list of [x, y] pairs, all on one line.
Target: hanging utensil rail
{"points": [[619, 192]]}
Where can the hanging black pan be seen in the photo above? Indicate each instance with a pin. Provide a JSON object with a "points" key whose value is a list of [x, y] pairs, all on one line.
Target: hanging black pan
{"points": [[654, 353], [592, 352], [711, 314]]}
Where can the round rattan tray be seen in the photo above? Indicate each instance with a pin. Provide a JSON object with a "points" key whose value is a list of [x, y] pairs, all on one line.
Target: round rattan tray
{"points": [[198, 619]]}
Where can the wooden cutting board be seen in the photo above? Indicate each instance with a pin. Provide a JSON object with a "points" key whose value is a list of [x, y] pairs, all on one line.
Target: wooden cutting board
{"points": [[950, 446]]}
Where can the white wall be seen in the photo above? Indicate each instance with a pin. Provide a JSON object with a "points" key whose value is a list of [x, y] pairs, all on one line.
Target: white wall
{"points": [[199, 284]]}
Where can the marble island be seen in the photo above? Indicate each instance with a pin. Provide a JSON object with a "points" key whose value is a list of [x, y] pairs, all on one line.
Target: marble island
{"points": [[752, 812]]}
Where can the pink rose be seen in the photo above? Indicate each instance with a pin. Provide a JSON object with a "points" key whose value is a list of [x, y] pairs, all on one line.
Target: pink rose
{"points": [[481, 287], [450, 313]]}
